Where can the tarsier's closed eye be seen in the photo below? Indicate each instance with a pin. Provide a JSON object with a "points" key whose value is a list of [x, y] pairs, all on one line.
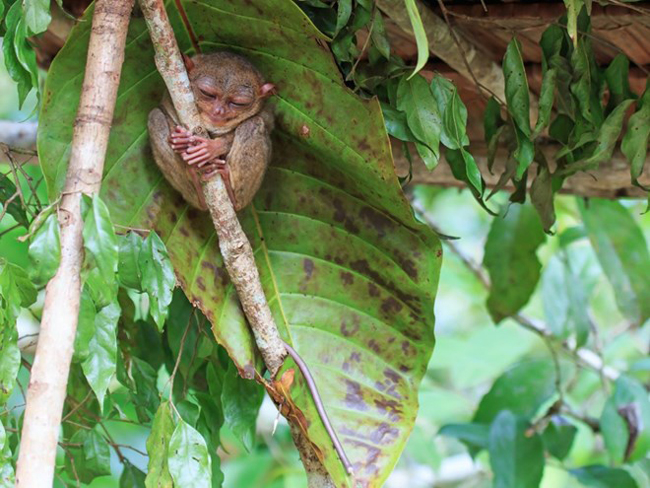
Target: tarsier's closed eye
{"points": [[206, 94]]}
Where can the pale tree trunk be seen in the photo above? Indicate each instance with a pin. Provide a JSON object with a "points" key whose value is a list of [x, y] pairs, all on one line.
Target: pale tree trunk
{"points": [[49, 375]]}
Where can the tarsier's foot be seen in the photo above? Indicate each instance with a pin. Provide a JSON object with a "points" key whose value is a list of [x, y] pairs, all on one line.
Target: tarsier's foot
{"points": [[181, 139], [203, 150], [209, 169]]}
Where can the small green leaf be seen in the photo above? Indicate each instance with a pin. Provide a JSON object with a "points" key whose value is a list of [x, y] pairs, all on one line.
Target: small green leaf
{"points": [[472, 434], [598, 476], [189, 461], [396, 123], [100, 364], [158, 279], [558, 437], [625, 421], [128, 267], [131, 476], [516, 456], [86, 327], [9, 359], [511, 260], [524, 153], [37, 15], [617, 77], [16, 290], [635, 141], [241, 400], [144, 394], [378, 35], [523, 389], [45, 251], [607, 136], [420, 35], [415, 98], [516, 87], [492, 119], [623, 254], [91, 459], [455, 122], [573, 8], [10, 45], [586, 83], [546, 98], [158, 475], [343, 14], [541, 197], [15, 209], [102, 250]]}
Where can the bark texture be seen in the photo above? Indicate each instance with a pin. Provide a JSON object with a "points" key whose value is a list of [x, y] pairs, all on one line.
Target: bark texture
{"points": [[49, 376]]}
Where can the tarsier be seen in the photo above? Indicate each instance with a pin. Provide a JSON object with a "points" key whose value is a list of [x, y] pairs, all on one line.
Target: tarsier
{"points": [[230, 94]]}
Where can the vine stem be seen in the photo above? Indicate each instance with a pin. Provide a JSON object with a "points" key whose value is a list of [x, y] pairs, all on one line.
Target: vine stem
{"points": [[49, 375]]}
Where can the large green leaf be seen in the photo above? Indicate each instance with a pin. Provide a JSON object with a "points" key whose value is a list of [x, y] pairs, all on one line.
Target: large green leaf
{"points": [[349, 273], [623, 254]]}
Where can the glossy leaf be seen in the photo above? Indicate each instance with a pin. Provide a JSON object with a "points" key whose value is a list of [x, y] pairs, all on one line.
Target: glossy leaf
{"points": [[158, 279], [419, 33], [623, 254], [523, 389], [415, 98], [598, 476], [85, 327], [101, 246], [158, 475], [348, 271], [241, 400], [100, 364], [189, 462], [12, 43], [45, 251], [516, 456], [128, 267], [511, 260], [635, 141]]}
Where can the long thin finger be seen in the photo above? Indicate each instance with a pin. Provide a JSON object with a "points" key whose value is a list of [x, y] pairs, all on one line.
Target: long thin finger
{"points": [[187, 156], [195, 149]]}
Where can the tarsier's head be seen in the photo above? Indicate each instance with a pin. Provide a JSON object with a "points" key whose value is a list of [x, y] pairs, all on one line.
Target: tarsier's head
{"points": [[228, 89]]}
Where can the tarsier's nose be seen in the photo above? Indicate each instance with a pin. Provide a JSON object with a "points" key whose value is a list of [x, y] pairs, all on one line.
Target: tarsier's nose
{"points": [[219, 110]]}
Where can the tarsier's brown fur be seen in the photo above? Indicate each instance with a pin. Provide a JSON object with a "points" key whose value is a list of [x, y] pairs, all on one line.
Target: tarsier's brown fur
{"points": [[230, 94]]}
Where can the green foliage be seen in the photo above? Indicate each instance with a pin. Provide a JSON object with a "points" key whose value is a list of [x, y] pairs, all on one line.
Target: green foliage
{"points": [[622, 251], [45, 251], [240, 400], [419, 33], [516, 457], [511, 261]]}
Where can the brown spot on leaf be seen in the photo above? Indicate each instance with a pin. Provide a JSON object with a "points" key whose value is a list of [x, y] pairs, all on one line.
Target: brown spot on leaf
{"points": [[354, 397], [373, 290], [384, 434], [304, 131], [308, 266], [346, 277], [348, 329], [372, 344], [391, 306], [392, 408]]}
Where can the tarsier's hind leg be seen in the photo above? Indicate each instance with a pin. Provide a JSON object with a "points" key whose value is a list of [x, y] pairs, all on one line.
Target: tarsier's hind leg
{"points": [[170, 163]]}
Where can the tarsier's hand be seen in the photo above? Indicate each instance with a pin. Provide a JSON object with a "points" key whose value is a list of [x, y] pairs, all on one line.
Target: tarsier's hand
{"points": [[181, 139], [203, 150]]}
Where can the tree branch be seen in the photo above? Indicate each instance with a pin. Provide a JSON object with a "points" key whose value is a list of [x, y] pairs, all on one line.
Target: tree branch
{"points": [[49, 374]]}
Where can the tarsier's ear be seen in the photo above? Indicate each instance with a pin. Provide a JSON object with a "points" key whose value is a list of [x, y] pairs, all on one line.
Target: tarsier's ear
{"points": [[267, 89], [189, 64]]}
